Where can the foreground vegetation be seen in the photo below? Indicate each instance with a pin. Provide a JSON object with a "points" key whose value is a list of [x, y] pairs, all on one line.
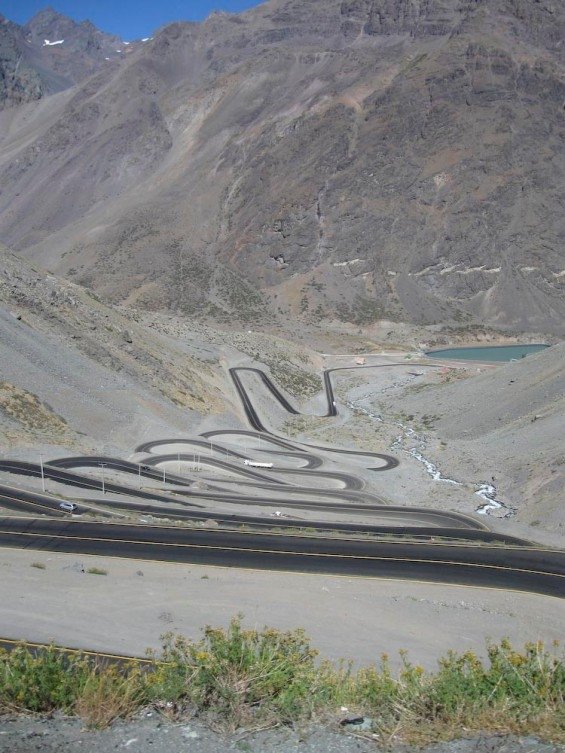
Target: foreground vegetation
{"points": [[238, 677]]}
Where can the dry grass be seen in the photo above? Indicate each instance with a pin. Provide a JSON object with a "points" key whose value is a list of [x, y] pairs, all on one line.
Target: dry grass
{"points": [[27, 410], [109, 695]]}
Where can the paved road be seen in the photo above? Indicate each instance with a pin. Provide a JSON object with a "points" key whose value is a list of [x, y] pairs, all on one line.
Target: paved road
{"points": [[520, 568], [310, 461], [146, 468], [60, 475], [345, 480], [408, 517], [389, 461]]}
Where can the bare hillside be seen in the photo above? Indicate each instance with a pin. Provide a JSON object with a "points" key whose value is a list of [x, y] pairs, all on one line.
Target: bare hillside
{"points": [[76, 373], [317, 159]]}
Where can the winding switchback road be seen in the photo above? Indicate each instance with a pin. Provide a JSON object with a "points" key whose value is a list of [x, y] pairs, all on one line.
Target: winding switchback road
{"points": [[431, 545]]}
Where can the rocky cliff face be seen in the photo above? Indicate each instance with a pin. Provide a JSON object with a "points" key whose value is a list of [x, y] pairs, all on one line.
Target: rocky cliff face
{"points": [[19, 82], [353, 159], [51, 53]]}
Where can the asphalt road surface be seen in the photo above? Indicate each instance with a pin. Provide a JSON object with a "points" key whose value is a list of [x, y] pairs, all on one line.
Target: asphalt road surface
{"points": [[510, 567]]}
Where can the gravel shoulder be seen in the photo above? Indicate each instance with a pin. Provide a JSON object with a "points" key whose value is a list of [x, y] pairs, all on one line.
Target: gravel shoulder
{"points": [[155, 735], [127, 610]]}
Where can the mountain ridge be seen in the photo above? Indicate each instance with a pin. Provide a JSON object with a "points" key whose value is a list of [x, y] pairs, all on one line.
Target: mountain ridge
{"points": [[53, 52]]}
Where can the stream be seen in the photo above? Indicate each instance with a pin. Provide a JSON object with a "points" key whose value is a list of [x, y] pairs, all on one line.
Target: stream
{"points": [[487, 492]]}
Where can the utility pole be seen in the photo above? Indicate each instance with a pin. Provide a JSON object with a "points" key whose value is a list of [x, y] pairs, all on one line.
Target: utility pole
{"points": [[103, 465], [42, 472]]}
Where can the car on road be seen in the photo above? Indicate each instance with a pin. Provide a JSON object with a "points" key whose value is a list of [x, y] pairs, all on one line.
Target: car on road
{"points": [[68, 506]]}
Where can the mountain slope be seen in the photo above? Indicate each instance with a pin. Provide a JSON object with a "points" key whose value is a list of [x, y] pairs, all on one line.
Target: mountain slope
{"points": [[76, 373], [352, 160]]}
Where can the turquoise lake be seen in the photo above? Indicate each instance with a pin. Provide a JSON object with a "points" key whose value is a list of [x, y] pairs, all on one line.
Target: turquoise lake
{"points": [[487, 353]]}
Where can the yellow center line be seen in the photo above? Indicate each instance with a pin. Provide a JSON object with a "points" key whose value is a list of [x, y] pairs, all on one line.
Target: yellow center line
{"points": [[447, 544], [302, 574], [276, 551], [304, 524], [66, 650], [27, 502]]}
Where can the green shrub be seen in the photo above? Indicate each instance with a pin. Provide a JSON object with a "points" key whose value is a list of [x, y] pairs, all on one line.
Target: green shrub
{"points": [[513, 692], [44, 682], [238, 677]]}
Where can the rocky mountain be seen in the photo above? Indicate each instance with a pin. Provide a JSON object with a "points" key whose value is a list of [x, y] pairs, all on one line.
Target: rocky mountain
{"points": [[350, 160], [19, 81], [51, 53]]}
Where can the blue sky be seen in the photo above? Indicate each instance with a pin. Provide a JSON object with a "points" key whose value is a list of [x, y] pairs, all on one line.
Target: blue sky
{"points": [[129, 19]]}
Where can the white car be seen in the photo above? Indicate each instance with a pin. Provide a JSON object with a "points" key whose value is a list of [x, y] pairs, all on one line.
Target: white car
{"points": [[68, 506]]}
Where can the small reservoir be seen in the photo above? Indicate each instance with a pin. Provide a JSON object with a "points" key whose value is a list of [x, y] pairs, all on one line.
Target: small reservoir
{"points": [[488, 352]]}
